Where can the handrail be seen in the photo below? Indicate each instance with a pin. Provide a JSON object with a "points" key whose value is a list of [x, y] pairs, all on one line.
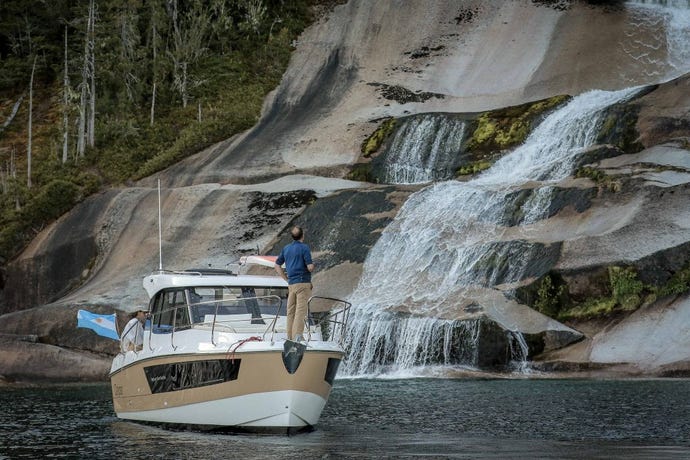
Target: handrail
{"points": [[272, 324], [338, 318], [335, 322]]}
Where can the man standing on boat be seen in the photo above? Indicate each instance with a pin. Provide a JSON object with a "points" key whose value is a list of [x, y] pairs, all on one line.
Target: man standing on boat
{"points": [[297, 259]]}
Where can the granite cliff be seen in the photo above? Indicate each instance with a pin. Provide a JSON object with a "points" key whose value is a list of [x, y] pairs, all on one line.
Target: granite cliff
{"points": [[624, 206]]}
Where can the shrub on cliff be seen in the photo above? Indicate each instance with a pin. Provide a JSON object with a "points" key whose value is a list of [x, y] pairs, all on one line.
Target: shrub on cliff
{"points": [[170, 79]]}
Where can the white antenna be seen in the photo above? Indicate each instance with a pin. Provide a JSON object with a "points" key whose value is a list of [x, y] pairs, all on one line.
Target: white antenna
{"points": [[160, 231]]}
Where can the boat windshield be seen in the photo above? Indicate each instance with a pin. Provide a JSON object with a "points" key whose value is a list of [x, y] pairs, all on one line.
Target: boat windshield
{"points": [[180, 308], [256, 303]]}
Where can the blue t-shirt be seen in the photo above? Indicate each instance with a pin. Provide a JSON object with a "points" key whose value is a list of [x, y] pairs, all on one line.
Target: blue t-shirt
{"points": [[296, 256]]}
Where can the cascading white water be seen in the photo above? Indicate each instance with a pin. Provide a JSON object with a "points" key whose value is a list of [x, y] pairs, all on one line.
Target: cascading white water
{"points": [[422, 149], [448, 238], [452, 236], [518, 352], [673, 18]]}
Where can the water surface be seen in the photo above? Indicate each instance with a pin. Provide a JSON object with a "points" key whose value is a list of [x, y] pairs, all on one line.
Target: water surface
{"points": [[414, 418]]}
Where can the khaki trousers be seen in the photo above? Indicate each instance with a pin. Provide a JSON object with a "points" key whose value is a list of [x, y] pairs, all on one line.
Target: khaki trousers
{"points": [[298, 295]]}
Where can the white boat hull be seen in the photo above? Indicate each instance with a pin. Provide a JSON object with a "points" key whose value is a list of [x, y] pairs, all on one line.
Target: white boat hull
{"points": [[276, 409], [252, 390]]}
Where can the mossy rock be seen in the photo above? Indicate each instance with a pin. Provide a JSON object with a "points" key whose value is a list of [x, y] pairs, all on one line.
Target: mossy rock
{"points": [[548, 294], [666, 270], [500, 262], [679, 283], [374, 142], [511, 210], [361, 172], [474, 167], [619, 128], [501, 129], [599, 177], [627, 293], [614, 290]]}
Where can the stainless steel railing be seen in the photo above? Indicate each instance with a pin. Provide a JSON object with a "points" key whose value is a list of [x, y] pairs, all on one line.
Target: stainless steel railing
{"points": [[333, 324]]}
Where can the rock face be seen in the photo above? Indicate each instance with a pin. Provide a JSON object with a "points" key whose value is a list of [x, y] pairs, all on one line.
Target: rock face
{"points": [[364, 63], [44, 344]]}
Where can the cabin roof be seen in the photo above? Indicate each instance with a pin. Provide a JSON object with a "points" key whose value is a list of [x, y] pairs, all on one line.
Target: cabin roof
{"points": [[206, 277]]}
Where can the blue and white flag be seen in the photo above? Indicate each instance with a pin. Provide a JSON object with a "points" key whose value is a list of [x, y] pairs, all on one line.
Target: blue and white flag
{"points": [[104, 325]]}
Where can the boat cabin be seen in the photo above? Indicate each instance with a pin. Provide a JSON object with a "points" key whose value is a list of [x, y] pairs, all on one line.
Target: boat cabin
{"points": [[182, 300]]}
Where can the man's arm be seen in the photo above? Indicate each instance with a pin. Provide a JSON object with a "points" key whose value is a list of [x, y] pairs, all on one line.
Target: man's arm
{"points": [[280, 271], [307, 260]]}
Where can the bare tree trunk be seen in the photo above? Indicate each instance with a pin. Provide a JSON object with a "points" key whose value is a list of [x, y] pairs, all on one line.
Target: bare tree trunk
{"points": [[4, 175], [81, 131], [13, 174], [92, 70], [85, 87], [189, 34], [28, 146], [183, 90], [65, 108], [153, 103], [178, 54], [154, 45]]}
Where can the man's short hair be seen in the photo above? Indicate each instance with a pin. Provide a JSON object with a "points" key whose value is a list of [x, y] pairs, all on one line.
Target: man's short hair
{"points": [[296, 233]]}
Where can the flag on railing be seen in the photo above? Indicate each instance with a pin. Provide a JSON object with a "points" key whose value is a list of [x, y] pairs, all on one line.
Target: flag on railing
{"points": [[104, 325]]}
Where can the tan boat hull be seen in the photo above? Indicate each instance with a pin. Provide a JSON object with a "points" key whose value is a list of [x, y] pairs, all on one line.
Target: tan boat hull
{"points": [[258, 391]]}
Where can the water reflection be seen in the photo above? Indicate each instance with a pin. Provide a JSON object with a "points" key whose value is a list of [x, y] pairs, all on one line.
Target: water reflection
{"points": [[432, 418]]}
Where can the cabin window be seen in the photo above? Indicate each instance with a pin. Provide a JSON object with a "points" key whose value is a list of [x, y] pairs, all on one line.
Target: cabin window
{"points": [[170, 310], [254, 303], [158, 324]]}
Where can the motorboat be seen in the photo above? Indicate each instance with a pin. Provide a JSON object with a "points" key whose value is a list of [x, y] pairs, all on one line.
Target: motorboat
{"points": [[215, 354]]}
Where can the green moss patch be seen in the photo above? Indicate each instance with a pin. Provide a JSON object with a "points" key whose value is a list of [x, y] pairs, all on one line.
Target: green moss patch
{"points": [[678, 284], [625, 293], [599, 177], [474, 167], [361, 172], [508, 127], [374, 142], [496, 131], [548, 297]]}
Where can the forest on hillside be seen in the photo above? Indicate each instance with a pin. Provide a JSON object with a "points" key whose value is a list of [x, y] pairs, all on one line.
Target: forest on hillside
{"points": [[96, 94]]}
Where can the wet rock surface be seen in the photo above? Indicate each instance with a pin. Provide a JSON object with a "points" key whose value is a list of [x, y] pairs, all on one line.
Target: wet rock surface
{"points": [[632, 207], [344, 226]]}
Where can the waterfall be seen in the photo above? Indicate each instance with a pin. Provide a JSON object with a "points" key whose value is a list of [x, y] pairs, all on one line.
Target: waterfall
{"points": [[672, 17], [450, 239], [518, 352], [423, 149]]}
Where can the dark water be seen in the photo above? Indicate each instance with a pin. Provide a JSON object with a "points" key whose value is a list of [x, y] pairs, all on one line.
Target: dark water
{"points": [[432, 418]]}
